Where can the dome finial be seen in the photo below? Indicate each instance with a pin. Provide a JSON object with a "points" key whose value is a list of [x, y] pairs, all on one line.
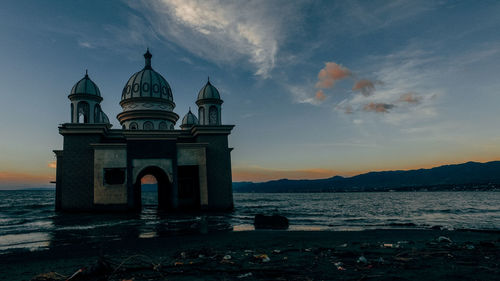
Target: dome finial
{"points": [[208, 79], [148, 57], [86, 73]]}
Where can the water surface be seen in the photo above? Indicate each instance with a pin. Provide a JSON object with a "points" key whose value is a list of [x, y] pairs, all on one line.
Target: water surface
{"points": [[28, 219]]}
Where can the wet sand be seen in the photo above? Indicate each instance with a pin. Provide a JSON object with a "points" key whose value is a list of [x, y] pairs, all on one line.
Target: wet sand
{"points": [[271, 255]]}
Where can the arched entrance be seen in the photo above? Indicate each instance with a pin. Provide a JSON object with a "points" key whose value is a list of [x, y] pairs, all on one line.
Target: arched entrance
{"points": [[163, 183]]}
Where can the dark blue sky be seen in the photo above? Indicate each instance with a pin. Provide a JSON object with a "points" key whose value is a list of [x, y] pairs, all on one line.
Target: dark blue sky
{"points": [[315, 88]]}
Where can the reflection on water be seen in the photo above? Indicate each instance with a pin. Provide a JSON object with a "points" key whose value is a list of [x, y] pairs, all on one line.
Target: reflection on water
{"points": [[28, 220]]}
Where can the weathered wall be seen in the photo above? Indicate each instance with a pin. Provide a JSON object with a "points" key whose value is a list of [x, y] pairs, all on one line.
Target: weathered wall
{"points": [[191, 154], [109, 156], [77, 188], [219, 179]]}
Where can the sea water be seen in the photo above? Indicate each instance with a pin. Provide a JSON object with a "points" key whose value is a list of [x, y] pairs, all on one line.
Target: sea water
{"points": [[28, 220]]}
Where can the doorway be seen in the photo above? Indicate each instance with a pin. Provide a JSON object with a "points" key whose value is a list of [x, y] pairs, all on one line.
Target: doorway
{"points": [[152, 181]]}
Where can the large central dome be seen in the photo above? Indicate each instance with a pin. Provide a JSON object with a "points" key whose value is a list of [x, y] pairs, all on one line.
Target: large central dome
{"points": [[147, 83], [147, 101]]}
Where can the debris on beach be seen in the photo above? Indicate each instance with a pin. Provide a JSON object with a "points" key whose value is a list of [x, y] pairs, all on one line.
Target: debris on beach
{"points": [[340, 266], [49, 276], [444, 239], [244, 275], [262, 258], [362, 260]]}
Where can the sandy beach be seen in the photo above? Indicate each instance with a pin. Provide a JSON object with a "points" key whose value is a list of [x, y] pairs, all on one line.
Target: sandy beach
{"points": [[270, 255]]}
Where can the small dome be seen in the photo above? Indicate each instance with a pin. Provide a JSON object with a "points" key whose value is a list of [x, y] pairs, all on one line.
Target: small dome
{"points": [[189, 120], [147, 83], [85, 87], [208, 92]]}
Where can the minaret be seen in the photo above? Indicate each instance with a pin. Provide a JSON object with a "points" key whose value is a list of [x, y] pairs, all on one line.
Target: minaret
{"points": [[85, 100], [209, 105]]}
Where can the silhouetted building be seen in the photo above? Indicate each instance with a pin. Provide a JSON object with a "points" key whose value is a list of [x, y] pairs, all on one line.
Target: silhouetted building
{"points": [[101, 168]]}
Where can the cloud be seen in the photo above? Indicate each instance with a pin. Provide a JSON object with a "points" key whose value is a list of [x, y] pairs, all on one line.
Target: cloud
{"points": [[410, 98], [223, 32], [86, 44], [348, 109], [378, 107], [366, 87], [320, 96], [331, 73]]}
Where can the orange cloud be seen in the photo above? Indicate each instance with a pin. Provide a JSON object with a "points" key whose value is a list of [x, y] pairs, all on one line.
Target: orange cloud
{"points": [[331, 73], [409, 98], [366, 87], [52, 164], [378, 107], [320, 96]]}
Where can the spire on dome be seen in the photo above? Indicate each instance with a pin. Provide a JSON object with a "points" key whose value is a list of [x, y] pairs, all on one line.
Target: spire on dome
{"points": [[148, 57]]}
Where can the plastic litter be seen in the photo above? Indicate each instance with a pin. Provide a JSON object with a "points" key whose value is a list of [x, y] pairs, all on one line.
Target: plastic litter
{"points": [[363, 260], [442, 239], [276, 251], [387, 245], [381, 260], [340, 266], [470, 247], [262, 258], [227, 257], [245, 275]]}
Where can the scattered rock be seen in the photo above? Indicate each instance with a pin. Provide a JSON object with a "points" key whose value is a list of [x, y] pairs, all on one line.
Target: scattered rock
{"points": [[270, 222]]}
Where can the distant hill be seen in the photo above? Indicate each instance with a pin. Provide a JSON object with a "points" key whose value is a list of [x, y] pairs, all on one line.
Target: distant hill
{"points": [[466, 176]]}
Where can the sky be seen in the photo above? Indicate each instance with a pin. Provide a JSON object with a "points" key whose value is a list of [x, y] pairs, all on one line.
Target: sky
{"points": [[315, 88]]}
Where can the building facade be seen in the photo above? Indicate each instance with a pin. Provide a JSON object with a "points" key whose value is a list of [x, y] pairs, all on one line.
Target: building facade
{"points": [[100, 168]]}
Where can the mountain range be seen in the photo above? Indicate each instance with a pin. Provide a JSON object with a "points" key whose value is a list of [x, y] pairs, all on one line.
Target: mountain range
{"points": [[466, 176]]}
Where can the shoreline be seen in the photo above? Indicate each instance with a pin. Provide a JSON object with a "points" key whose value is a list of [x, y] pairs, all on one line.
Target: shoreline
{"points": [[403, 254]]}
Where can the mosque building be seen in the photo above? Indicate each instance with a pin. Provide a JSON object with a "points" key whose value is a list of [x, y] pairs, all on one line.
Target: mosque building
{"points": [[100, 168]]}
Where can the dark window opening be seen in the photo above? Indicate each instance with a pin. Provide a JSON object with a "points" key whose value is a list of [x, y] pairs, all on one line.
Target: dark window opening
{"points": [[188, 186], [114, 176]]}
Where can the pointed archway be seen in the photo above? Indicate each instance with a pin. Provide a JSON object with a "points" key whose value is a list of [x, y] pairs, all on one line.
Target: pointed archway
{"points": [[163, 183]]}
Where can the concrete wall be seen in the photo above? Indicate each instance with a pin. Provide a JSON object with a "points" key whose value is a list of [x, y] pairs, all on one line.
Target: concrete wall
{"points": [[219, 178], [109, 156], [195, 154], [77, 179]]}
